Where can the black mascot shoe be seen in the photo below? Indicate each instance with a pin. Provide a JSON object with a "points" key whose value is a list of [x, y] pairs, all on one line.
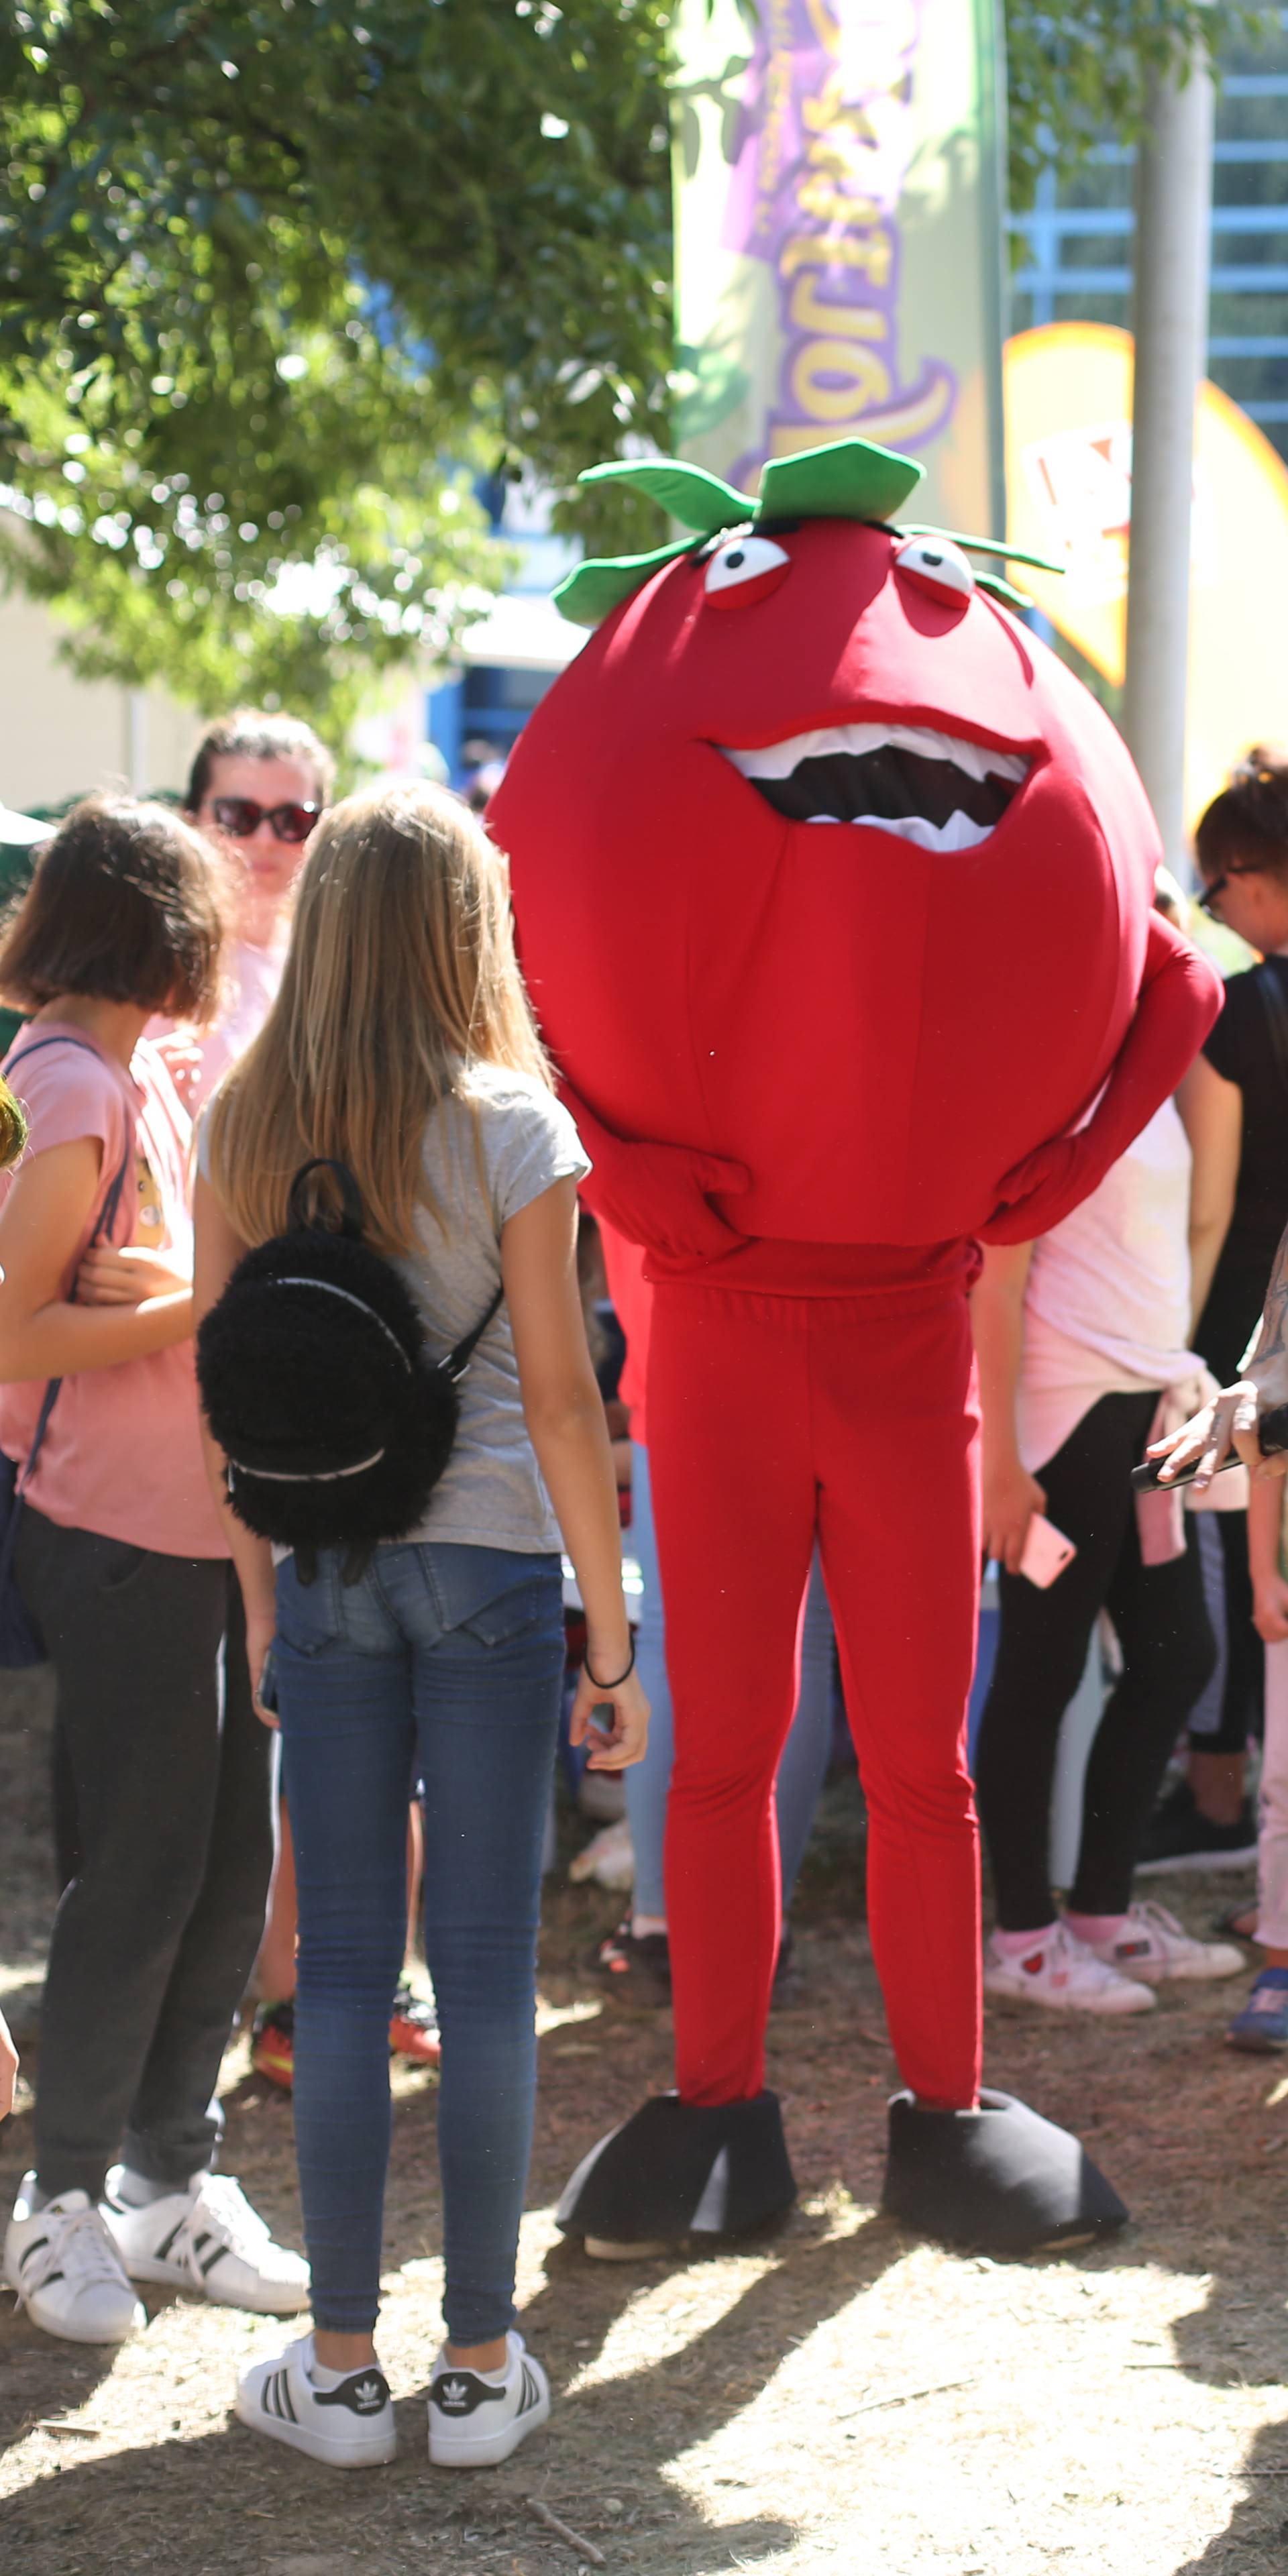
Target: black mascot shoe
{"points": [[999, 2179], [676, 2170]]}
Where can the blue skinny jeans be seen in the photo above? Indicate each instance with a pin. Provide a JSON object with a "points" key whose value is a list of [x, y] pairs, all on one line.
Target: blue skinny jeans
{"points": [[803, 1768], [442, 1662]]}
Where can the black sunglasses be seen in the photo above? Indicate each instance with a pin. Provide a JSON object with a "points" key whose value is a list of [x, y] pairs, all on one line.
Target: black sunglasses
{"points": [[1212, 893], [241, 817]]}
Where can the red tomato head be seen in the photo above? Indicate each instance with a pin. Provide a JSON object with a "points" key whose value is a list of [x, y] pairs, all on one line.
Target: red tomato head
{"points": [[822, 861]]}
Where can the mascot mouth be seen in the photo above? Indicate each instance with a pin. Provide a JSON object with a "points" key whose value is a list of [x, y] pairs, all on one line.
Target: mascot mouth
{"points": [[934, 789]]}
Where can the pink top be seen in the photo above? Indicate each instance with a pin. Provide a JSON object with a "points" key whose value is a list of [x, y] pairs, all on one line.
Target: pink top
{"points": [[122, 1455], [196, 1064]]}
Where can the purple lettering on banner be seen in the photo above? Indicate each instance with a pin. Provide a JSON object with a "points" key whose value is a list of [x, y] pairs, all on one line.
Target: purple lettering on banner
{"points": [[828, 134]]}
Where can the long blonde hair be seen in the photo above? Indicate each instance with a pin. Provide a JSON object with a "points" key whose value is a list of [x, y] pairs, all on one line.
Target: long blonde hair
{"points": [[400, 975]]}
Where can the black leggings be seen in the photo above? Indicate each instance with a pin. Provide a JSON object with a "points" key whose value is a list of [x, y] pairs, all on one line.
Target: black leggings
{"points": [[1168, 1653]]}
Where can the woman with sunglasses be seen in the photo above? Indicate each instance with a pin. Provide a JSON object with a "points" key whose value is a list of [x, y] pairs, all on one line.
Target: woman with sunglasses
{"points": [[1239, 1092], [258, 785]]}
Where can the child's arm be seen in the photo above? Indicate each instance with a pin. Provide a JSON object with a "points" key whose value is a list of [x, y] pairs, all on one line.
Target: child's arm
{"points": [[42, 1222], [565, 1417], [1212, 1113], [1269, 1589], [218, 1251], [1011, 1495]]}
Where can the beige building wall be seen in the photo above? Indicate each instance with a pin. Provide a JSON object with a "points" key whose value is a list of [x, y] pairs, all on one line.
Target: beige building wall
{"points": [[60, 736]]}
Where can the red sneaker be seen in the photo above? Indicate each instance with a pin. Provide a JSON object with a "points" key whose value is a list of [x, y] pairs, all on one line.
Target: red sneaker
{"points": [[413, 2033], [272, 2043], [413, 2028]]}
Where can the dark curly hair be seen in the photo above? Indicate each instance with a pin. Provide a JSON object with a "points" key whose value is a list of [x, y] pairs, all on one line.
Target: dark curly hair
{"points": [[1246, 826]]}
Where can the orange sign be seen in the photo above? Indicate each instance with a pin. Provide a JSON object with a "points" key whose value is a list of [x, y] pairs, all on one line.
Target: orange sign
{"points": [[1068, 479]]}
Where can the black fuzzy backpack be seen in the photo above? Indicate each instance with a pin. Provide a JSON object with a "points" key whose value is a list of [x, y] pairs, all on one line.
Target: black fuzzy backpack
{"points": [[318, 1387]]}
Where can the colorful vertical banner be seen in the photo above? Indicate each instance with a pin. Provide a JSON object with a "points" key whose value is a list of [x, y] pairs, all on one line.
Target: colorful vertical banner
{"points": [[839, 237]]}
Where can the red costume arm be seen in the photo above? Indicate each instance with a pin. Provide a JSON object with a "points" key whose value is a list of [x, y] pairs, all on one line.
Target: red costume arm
{"points": [[656, 1194], [1179, 998]]}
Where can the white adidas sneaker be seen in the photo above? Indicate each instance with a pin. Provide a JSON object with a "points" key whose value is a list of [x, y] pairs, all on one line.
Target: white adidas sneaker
{"points": [[66, 2270], [1152, 1945], [1063, 1974], [350, 2426], [207, 2239], [477, 2418]]}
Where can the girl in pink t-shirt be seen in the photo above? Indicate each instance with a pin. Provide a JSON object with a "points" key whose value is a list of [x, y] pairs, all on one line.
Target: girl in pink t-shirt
{"points": [[122, 1565]]}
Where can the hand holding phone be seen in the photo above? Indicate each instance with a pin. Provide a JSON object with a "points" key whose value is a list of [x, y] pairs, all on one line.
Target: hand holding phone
{"points": [[1046, 1552]]}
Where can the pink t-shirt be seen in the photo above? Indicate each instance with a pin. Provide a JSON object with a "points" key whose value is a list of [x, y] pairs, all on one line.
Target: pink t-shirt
{"points": [[122, 1455]]}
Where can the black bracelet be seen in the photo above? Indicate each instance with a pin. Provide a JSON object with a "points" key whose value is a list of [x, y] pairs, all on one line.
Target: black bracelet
{"points": [[596, 1684]]}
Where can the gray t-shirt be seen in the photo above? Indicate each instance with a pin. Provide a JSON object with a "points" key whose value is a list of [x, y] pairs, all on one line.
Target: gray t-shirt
{"points": [[489, 1151], [487, 1155]]}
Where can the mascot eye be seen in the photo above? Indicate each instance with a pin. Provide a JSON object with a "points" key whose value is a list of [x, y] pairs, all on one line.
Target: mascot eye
{"points": [[937, 566], [747, 569]]}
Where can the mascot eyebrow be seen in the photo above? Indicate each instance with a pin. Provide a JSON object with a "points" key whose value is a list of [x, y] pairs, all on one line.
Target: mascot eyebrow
{"points": [[852, 479]]}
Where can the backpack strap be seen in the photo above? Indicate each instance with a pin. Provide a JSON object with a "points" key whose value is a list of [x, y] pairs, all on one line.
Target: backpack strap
{"points": [[457, 1361], [106, 1221], [1270, 993], [354, 1216]]}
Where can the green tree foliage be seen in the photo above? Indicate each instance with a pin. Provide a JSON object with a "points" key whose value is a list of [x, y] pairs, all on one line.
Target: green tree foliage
{"points": [[1078, 75], [265, 265], [279, 277]]}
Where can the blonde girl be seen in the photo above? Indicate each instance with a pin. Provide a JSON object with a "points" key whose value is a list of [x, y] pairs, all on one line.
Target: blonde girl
{"points": [[401, 1044]]}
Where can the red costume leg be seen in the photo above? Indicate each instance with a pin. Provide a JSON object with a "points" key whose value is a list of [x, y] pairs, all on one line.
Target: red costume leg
{"points": [[735, 1496], [768, 1415], [896, 1431]]}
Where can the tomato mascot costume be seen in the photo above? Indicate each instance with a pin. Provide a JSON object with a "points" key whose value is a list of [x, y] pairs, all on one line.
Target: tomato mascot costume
{"points": [[833, 890]]}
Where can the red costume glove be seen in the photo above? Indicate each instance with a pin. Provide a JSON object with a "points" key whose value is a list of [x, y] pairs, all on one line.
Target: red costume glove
{"points": [[1180, 997], [656, 1194]]}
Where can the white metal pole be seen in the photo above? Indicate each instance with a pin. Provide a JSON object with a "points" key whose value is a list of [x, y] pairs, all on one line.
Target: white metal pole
{"points": [[1173, 228]]}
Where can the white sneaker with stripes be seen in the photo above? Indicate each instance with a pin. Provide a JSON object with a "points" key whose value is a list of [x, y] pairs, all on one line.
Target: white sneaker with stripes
{"points": [[478, 2417], [350, 2426], [207, 2239], [62, 2262]]}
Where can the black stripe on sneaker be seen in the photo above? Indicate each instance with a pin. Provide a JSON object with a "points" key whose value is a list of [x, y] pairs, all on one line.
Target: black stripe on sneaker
{"points": [[287, 2405], [531, 2393], [167, 2243], [208, 2266], [35, 2247]]}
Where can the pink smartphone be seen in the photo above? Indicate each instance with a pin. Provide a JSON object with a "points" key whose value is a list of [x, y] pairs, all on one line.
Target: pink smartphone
{"points": [[1046, 1552]]}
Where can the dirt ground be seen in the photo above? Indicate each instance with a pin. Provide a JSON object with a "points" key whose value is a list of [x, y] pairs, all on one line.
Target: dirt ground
{"points": [[838, 2397]]}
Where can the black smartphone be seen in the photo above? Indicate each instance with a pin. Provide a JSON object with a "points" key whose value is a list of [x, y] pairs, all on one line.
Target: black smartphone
{"points": [[266, 1694], [1272, 1428]]}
